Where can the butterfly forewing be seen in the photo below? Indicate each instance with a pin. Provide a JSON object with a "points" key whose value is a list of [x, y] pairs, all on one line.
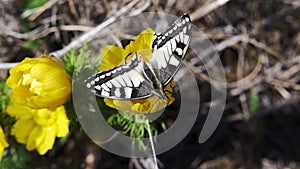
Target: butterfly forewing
{"points": [[122, 82], [169, 48]]}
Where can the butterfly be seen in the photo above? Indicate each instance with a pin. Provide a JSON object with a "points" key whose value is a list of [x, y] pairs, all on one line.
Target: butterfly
{"points": [[139, 79]]}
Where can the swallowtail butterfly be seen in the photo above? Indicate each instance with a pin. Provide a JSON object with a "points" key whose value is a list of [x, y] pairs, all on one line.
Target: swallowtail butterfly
{"points": [[138, 79]]}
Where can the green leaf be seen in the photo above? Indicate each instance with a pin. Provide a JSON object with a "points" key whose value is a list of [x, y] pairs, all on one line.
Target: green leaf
{"points": [[163, 125], [5, 119], [17, 159], [134, 129], [77, 61], [32, 44], [254, 102], [31, 4], [4, 98]]}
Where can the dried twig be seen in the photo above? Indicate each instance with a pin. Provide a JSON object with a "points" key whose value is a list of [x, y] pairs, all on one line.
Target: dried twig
{"points": [[73, 9], [35, 13], [142, 8], [7, 66], [272, 109], [89, 35], [249, 79], [281, 14], [43, 31], [200, 12], [232, 41]]}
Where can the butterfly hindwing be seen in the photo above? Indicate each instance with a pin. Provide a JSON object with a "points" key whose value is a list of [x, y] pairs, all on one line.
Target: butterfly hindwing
{"points": [[169, 48]]}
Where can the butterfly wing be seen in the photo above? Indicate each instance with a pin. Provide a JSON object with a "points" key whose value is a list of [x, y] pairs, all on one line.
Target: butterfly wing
{"points": [[133, 80], [124, 82], [169, 48]]}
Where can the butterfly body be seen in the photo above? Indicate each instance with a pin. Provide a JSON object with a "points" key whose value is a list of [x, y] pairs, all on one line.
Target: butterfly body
{"points": [[139, 79]]}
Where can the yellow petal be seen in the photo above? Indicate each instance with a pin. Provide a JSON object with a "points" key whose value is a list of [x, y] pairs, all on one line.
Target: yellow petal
{"points": [[48, 141], [62, 122], [16, 73], [15, 80], [109, 102], [62, 129], [3, 143], [145, 38], [44, 117], [26, 79], [20, 91], [20, 111], [21, 130], [35, 138], [112, 56], [124, 105], [118, 104], [142, 44], [42, 71], [25, 65], [140, 108]]}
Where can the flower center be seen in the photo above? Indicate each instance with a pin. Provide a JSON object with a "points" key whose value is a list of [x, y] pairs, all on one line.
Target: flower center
{"points": [[35, 86], [44, 117]]}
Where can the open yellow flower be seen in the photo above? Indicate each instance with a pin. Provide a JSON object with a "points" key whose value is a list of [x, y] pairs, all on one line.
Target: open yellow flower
{"points": [[3, 143], [38, 128], [113, 56], [39, 83]]}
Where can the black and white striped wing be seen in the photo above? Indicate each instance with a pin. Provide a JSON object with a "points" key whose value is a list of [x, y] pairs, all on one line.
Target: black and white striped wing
{"points": [[124, 82], [169, 48], [133, 80]]}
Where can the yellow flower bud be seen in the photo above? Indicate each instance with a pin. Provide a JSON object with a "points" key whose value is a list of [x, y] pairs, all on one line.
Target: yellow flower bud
{"points": [[39, 83]]}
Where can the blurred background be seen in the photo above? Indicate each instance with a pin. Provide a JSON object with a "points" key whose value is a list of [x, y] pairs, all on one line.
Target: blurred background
{"points": [[258, 43]]}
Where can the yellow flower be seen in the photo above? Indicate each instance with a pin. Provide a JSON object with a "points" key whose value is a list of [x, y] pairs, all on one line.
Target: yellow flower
{"points": [[113, 56], [39, 83], [38, 128], [3, 143]]}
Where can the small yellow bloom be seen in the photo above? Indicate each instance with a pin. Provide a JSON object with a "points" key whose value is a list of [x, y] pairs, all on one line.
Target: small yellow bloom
{"points": [[39, 83], [37, 128], [3, 143], [113, 56]]}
